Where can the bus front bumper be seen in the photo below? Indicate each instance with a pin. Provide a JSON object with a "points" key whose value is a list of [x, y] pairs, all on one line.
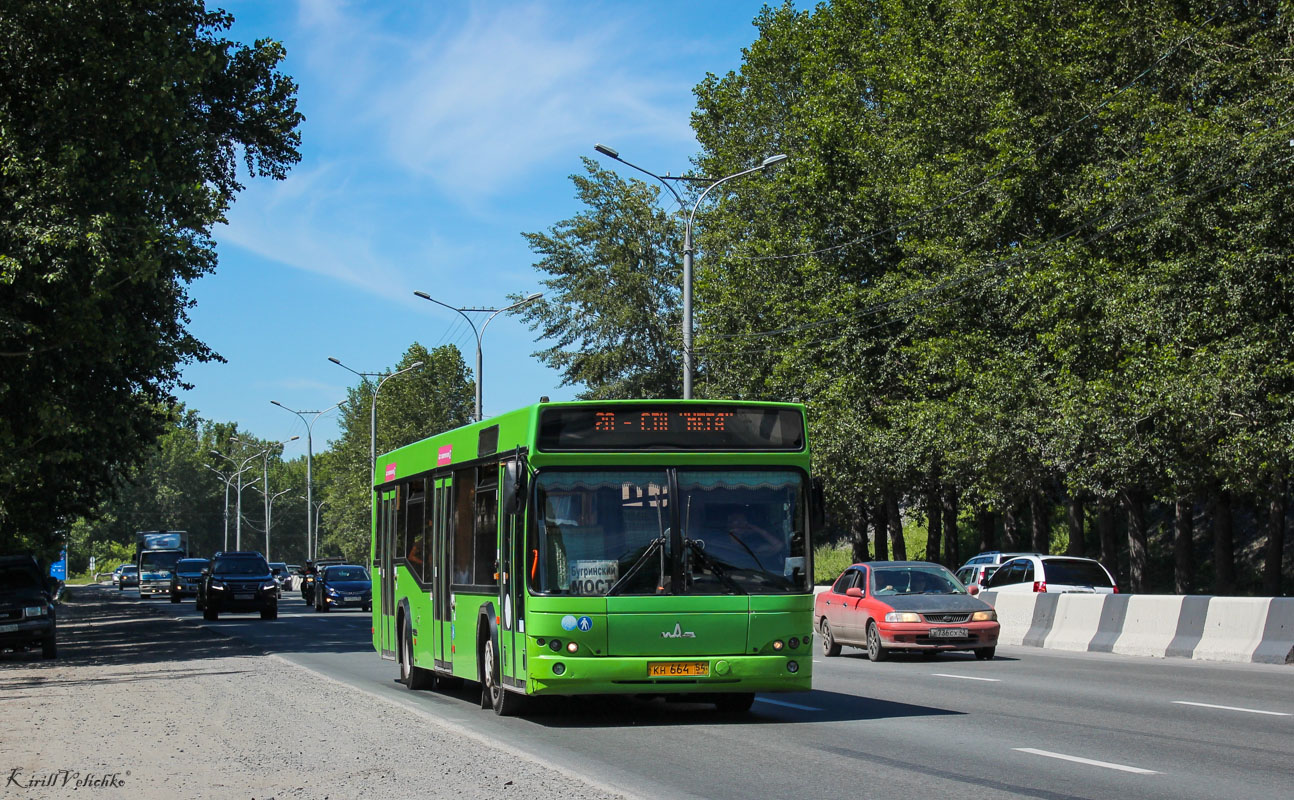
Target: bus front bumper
{"points": [[560, 675]]}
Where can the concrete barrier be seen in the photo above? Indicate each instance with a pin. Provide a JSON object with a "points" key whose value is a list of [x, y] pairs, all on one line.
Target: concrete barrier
{"points": [[1077, 622], [1014, 613], [1149, 624], [1233, 629], [1277, 646]]}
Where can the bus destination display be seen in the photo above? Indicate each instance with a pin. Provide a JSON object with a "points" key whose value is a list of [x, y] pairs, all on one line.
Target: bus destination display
{"points": [[717, 428]]}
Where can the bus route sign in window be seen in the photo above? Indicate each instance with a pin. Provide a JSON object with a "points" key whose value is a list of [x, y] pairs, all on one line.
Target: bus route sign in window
{"points": [[704, 427]]}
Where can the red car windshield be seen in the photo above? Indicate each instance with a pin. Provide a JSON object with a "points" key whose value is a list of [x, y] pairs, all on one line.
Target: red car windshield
{"points": [[915, 580]]}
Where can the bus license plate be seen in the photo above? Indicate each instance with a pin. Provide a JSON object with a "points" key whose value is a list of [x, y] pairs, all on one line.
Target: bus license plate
{"points": [[674, 669], [948, 633]]}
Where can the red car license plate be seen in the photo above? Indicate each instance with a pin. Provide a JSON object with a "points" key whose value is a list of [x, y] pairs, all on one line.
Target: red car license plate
{"points": [[949, 633]]}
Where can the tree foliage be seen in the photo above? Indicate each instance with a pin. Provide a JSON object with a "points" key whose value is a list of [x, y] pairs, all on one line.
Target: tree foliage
{"points": [[1024, 247], [122, 123], [612, 307], [436, 397]]}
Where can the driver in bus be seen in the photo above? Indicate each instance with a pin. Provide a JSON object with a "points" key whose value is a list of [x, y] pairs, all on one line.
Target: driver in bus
{"points": [[757, 542]]}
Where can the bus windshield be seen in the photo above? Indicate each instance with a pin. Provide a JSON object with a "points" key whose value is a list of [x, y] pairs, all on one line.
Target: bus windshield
{"points": [[731, 531]]}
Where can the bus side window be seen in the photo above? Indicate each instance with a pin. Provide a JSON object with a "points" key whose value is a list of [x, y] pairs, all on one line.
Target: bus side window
{"points": [[486, 525], [415, 547], [461, 519]]}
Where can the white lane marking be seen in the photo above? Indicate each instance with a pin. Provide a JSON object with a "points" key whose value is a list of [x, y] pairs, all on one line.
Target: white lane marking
{"points": [[786, 704], [966, 677], [1234, 708], [1088, 761]]}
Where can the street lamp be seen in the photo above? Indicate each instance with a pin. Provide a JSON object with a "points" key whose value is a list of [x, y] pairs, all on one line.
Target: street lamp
{"points": [[265, 488], [372, 421], [687, 244], [318, 513], [270, 508], [238, 514], [493, 312], [226, 482], [309, 458]]}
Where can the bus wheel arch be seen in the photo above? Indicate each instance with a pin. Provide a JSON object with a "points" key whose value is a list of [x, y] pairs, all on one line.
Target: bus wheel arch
{"points": [[493, 693]]}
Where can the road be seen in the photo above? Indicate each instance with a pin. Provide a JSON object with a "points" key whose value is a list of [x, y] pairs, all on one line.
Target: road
{"points": [[1030, 723]]}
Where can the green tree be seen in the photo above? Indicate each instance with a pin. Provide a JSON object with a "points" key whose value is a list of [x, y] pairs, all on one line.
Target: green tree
{"points": [[436, 397], [171, 490], [122, 123], [1021, 246], [612, 307]]}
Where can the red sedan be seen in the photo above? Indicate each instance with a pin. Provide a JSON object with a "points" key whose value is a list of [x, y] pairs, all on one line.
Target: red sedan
{"points": [[903, 605]]}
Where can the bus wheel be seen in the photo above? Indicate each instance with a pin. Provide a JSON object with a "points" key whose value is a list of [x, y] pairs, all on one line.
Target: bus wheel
{"points": [[413, 677], [504, 703], [735, 703]]}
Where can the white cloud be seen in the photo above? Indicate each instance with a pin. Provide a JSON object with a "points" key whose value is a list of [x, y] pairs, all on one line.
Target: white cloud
{"points": [[476, 101], [421, 119]]}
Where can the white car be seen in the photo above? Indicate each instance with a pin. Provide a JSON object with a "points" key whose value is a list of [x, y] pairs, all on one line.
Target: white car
{"points": [[1052, 574], [979, 569]]}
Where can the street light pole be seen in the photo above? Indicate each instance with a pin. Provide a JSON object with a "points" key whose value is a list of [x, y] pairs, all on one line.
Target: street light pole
{"points": [[242, 467], [687, 244], [372, 422], [265, 486], [270, 511], [318, 512], [226, 482], [493, 312], [309, 457]]}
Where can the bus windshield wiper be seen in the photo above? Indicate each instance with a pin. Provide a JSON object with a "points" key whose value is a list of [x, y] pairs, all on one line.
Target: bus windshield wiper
{"points": [[714, 567], [657, 545]]}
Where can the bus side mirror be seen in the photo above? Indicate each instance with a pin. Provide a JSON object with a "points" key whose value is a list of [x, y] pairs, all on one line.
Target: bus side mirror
{"points": [[514, 486], [817, 505]]}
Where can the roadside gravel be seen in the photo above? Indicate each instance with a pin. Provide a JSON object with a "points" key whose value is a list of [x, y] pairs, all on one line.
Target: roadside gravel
{"points": [[205, 716]]}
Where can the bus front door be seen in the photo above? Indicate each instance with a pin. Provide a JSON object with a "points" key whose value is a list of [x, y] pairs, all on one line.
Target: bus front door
{"points": [[386, 573], [512, 565]]}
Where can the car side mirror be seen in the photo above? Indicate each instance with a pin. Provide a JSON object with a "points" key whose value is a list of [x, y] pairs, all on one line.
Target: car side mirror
{"points": [[854, 591], [973, 589], [51, 585]]}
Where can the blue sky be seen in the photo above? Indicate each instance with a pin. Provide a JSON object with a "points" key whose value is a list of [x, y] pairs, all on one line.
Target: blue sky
{"points": [[435, 134]]}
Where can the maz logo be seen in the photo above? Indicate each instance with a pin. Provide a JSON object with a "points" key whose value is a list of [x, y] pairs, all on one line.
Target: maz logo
{"points": [[678, 633]]}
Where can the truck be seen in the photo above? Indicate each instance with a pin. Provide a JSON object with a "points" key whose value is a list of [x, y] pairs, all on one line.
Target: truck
{"points": [[156, 554]]}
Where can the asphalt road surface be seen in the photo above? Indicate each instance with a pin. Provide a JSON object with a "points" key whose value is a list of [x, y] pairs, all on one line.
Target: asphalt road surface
{"points": [[1030, 723]]}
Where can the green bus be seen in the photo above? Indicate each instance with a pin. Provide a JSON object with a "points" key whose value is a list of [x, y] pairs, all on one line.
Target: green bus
{"points": [[620, 547]]}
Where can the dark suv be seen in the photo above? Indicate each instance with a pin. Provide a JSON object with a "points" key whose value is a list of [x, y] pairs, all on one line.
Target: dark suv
{"points": [[187, 577], [238, 581], [27, 615]]}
